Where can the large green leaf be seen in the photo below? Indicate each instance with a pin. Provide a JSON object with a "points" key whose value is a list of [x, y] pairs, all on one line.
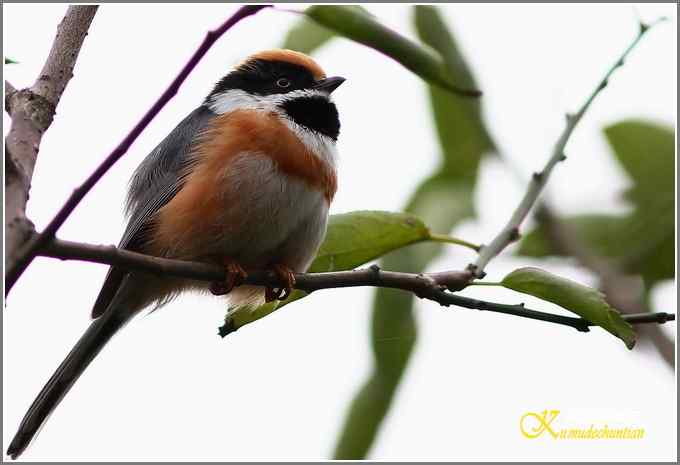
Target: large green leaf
{"points": [[461, 131], [358, 237], [360, 27], [641, 242], [596, 230], [443, 200], [352, 239], [585, 301], [647, 153]]}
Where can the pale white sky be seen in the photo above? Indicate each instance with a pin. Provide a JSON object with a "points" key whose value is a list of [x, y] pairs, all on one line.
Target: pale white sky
{"points": [[168, 388]]}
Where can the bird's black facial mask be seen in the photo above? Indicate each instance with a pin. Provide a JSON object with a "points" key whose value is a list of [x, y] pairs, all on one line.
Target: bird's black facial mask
{"points": [[314, 112], [263, 77]]}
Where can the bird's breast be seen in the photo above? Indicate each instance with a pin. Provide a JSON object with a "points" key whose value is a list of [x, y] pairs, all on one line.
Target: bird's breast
{"points": [[252, 179], [295, 151]]}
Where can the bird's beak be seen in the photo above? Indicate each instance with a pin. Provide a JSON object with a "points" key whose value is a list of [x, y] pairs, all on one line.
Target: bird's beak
{"points": [[328, 85]]}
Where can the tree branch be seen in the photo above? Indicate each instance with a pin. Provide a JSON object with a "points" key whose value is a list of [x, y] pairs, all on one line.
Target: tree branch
{"points": [[510, 233], [31, 247], [431, 286], [625, 293], [9, 90], [32, 111]]}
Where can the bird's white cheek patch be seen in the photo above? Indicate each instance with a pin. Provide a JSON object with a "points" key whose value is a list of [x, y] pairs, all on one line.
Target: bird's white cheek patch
{"points": [[234, 100], [237, 99]]}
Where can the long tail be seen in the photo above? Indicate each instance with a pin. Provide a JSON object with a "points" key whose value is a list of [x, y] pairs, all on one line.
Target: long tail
{"points": [[87, 348]]}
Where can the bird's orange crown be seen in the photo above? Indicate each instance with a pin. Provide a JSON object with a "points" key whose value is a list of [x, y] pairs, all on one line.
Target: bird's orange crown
{"points": [[288, 56]]}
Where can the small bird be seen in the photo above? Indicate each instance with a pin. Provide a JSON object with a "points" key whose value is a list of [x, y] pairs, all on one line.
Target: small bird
{"points": [[245, 181]]}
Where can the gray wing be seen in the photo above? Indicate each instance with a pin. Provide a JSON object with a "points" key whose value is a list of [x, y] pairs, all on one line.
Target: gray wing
{"points": [[155, 182]]}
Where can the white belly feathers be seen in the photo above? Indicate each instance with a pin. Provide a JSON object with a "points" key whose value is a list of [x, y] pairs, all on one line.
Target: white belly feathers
{"points": [[278, 206]]}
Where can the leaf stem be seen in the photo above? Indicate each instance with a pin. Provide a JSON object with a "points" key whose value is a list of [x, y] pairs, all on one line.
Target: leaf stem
{"points": [[485, 283], [446, 239]]}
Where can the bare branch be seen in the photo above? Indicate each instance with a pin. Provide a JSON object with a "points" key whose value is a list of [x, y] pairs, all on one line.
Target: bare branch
{"points": [[58, 68], [32, 111], [125, 259], [9, 90], [29, 250], [431, 286], [510, 233]]}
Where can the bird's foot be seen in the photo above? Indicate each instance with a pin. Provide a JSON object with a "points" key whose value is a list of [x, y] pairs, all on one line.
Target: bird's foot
{"points": [[287, 276], [236, 275]]}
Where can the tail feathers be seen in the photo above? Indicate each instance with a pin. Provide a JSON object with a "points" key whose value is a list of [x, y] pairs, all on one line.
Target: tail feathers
{"points": [[112, 283], [87, 348]]}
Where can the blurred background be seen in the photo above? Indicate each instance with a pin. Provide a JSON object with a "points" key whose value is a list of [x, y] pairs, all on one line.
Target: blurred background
{"points": [[169, 388]]}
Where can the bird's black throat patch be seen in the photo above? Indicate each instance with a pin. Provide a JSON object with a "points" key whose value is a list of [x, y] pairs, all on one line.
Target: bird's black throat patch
{"points": [[316, 113]]}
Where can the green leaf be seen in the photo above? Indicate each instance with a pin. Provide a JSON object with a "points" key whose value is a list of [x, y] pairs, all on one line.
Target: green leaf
{"points": [[584, 301], [352, 239], [358, 237], [596, 230], [652, 246], [647, 152], [308, 36], [462, 134], [9, 61], [362, 28], [642, 242], [443, 200]]}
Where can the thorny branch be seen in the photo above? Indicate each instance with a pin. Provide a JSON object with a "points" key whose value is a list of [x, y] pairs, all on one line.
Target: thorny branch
{"points": [[510, 233], [431, 286], [30, 249], [32, 110]]}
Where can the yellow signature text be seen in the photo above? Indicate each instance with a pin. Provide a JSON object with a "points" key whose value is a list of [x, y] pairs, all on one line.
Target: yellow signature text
{"points": [[536, 424]]}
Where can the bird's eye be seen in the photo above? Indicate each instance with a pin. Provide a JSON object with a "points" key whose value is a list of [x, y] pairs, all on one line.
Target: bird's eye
{"points": [[283, 83]]}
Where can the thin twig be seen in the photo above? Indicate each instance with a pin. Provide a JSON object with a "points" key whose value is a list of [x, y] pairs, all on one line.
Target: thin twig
{"points": [[510, 233], [648, 317], [30, 249], [32, 111], [431, 286]]}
